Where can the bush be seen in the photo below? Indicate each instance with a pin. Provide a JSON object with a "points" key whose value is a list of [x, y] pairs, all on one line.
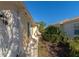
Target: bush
{"points": [[54, 35], [41, 26], [74, 45], [76, 38], [51, 34]]}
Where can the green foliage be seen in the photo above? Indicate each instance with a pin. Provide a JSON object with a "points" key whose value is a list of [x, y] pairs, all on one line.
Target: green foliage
{"points": [[76, 38], [74, 45], [41, 26], [52, 30], [52, 34]]}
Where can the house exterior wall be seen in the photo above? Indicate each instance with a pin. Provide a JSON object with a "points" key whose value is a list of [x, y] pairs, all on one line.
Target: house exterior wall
{"points": [[25, 30], [14, 35], [69, 29], [10, 33]]}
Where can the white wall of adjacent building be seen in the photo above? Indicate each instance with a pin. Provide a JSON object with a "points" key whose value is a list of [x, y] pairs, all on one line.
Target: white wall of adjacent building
{"points": [[69, 29]]}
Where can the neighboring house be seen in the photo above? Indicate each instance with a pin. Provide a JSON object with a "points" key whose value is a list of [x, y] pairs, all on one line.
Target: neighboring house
{"points": [[15, 22], [70, 27]]}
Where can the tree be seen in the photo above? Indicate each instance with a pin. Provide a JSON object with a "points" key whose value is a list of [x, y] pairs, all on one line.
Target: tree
{"points": [[51, 33], [41, 26]]}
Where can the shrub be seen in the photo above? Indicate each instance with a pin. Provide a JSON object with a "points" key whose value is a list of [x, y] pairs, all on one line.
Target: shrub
{"points": [[76, 38], [51, 34], [74, 45], [41, 26], [54, 35]]}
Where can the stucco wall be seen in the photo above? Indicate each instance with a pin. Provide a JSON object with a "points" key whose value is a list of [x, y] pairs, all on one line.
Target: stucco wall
{"points": [[69, 29], [24, 30], [15, 34]]}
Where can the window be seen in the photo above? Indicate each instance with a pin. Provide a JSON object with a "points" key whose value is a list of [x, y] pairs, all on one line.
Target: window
{"points": [[76, 32], [76, 28]]}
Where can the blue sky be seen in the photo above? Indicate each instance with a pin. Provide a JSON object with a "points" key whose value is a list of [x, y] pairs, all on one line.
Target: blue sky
{"points": [[53, 11]]}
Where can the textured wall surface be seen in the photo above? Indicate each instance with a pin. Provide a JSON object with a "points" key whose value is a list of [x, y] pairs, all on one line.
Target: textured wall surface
{"points": [[15, 36], [32, 48], [10, 36], [69, 29]]}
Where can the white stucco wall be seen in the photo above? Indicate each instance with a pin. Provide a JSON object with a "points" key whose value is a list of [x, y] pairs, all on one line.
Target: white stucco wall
{"points": [[69, 29]]}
